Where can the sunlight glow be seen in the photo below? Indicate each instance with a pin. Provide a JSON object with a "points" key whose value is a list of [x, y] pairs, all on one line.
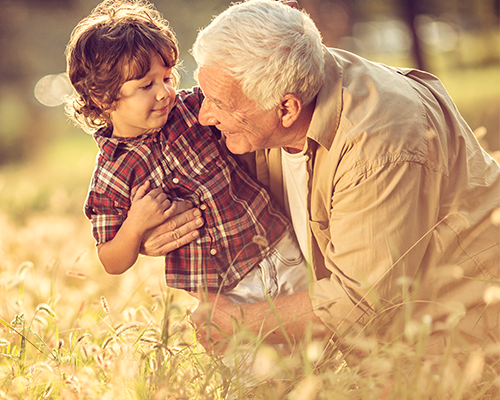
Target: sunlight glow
{"points": [[51, 89]]}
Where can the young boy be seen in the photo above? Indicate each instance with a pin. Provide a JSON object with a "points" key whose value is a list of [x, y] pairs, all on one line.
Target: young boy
{"points": [[121, 61]]}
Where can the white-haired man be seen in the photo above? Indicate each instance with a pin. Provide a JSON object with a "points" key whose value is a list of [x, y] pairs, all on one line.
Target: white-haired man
{"points": [[390, 195]]}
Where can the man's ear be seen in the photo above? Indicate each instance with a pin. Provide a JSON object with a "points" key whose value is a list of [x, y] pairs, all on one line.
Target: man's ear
{"points": [[290, 107], [293, 4]]}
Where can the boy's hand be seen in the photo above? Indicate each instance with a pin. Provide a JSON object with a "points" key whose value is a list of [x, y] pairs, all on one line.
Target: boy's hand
{"points": [[148, 209]]}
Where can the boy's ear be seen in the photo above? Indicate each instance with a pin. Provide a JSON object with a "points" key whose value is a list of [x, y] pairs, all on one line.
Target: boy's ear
{"points": [[290, 107]]}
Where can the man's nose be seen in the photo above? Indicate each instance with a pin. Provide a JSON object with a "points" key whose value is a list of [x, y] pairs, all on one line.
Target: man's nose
{"points": [[206, 116]]}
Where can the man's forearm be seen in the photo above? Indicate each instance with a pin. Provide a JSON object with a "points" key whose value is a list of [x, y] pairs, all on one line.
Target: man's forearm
{"points": [[288, 318]]}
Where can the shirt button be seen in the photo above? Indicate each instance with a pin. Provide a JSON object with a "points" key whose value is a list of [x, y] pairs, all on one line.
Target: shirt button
{"points": [[175, 180], [213, 252], [203, 207]]}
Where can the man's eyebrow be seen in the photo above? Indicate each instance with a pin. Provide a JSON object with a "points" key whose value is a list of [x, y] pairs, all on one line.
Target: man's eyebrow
{"points": [[218, 102]]}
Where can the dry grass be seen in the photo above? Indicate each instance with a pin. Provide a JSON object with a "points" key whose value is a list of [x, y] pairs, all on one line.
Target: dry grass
{"points": [[69, 331]]}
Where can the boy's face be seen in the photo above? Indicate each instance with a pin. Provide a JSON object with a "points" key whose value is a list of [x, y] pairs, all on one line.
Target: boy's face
{"points": [[144, 104]]}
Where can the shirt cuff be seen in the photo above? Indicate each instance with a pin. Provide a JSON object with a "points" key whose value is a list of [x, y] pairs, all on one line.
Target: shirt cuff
{"points": [[333, 306]]}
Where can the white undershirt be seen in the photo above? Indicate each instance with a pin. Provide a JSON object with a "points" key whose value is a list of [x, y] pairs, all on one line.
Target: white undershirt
{"points": [[295, 189]]}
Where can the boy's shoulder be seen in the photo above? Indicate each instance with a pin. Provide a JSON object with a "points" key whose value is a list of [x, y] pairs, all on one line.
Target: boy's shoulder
{"points": [[191, 97]]}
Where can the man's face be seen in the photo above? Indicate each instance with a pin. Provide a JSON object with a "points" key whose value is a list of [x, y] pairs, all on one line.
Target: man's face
{"points": [[244, 124]]}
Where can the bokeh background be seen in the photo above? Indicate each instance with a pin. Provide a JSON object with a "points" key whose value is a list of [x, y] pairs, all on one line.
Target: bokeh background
{"points": [[458, 40], [46, 162], [47, 253]]}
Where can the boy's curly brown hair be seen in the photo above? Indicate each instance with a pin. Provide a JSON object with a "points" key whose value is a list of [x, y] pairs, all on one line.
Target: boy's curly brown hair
{"points": [[111, 46]]}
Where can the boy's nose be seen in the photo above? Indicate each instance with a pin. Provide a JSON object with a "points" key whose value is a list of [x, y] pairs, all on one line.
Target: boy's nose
{"points": [[163, 93], [206, 116]]}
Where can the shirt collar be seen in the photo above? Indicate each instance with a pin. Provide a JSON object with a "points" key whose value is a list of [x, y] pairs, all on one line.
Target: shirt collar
{"points": [[326, 116], [109, 146]]}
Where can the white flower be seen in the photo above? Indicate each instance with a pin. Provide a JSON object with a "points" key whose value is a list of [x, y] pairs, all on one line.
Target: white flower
{"points": [[492, 295]]}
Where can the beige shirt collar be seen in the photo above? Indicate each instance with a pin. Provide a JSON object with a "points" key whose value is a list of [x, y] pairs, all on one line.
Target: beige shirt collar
{"points": [[328, 108]]}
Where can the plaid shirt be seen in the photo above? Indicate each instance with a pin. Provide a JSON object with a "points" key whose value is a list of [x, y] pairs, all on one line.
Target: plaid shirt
{"points": [[188, 162]]}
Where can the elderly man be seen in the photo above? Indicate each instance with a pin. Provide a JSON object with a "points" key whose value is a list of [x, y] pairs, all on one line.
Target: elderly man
{"points": [[390, 195]]}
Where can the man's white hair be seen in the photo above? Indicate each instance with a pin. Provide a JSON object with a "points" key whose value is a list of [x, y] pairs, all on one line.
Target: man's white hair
{"points": [[269, 48]]}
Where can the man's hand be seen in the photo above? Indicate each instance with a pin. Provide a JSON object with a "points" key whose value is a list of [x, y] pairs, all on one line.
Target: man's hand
{"points": [[213, 319], [180, 228]]}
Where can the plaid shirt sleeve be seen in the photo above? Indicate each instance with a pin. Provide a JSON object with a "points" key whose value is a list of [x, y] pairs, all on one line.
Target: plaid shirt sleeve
{"points": [[105, 216], [117, 169], [122, 165]]}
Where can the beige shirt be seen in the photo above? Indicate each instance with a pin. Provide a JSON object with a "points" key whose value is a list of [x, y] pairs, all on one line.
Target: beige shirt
{"points": [[400, 199]]}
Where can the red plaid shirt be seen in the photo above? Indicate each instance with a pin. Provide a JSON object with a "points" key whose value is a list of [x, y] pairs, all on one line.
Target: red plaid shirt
{"points": [[187, 161]]}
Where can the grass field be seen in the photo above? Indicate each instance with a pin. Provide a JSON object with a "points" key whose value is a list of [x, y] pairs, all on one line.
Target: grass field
{"points": [[70, 331]]}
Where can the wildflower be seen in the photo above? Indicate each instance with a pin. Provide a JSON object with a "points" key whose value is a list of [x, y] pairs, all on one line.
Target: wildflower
{"points": [[47, 309], [83, 337], [495, 217], [492, 295], [107, 341], [47, 392], [149, 340], [265, 365], [307, 388], [23, 269], [126, 328], [75, 274], [18, 320], [105, 305], [457, 272], [474, 368], [314, 351]]}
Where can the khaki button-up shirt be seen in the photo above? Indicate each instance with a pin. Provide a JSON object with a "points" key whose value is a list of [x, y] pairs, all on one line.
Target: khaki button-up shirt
{"points": [[400, 199]]}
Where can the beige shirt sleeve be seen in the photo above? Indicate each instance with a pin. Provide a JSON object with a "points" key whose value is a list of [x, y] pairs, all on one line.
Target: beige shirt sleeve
{"points": [[400, 195], [379, 228]]}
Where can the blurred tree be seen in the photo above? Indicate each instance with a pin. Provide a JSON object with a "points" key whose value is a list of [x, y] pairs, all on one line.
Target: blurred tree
{"points": [[410, 12], [334, 18], [34, 33]]}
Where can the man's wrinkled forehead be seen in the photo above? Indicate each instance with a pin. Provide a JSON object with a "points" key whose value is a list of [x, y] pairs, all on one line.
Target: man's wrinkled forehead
{"points": [[215, 87]]}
